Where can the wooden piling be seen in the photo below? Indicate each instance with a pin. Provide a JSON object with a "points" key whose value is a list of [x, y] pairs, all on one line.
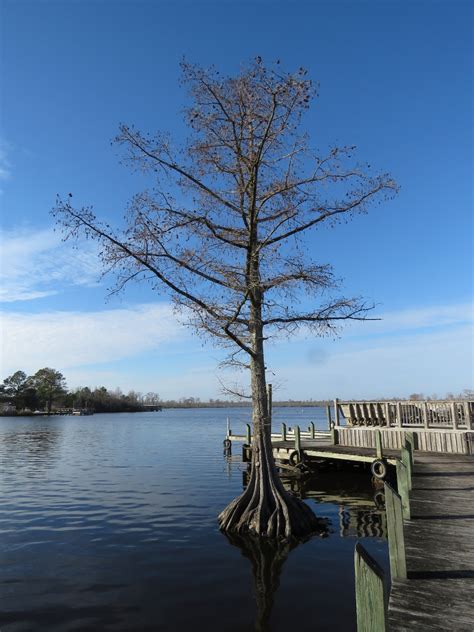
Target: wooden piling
{"points": [[407, 460], [370, 592], [378, 444], [248, 434], [269, 403], [336, 411], [396, 537], [398, 420], [334, 435], [328, 415], [298, 440], [410, 439], [283, 432], [312, 430], [403, 488]]}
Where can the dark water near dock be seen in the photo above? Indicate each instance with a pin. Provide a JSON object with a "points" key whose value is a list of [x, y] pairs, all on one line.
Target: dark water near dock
{"points": [[109, 523]]}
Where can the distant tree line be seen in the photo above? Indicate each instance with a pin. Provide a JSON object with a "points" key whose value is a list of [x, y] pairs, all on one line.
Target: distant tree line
{"points": [[46, 391]]}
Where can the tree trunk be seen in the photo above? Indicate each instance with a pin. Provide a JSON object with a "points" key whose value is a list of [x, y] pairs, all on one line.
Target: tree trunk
{"points": [[265, 508]]}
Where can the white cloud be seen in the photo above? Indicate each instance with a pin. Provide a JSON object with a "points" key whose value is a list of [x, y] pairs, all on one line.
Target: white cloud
{"points": [[35, 264], [73, 339], [429, 362]]}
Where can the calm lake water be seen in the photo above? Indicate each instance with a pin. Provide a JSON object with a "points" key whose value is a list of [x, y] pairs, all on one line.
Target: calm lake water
{"points": [[109, 523]]}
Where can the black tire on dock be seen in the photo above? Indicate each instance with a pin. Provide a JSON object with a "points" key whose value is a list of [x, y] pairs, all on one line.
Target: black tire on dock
{"points": [[227, 444], [379, 469], [295, 458]]}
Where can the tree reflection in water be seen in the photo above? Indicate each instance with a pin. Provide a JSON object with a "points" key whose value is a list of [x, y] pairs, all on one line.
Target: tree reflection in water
{"points": [[267, 557]]}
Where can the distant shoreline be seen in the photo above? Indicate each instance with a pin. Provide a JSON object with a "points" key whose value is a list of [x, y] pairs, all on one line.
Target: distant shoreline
{"points": [[176, 405]]}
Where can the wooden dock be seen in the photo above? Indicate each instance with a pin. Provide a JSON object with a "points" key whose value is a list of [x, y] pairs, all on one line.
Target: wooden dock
{"points": [[438, 594], [429, 518]]}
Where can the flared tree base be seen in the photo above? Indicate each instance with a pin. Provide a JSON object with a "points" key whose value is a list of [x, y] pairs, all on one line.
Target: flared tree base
{"points": [[266, 509]]}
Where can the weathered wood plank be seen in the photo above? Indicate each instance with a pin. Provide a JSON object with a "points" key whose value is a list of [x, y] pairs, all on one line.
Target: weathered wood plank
{"points": [[370, 592], [396, 538]]}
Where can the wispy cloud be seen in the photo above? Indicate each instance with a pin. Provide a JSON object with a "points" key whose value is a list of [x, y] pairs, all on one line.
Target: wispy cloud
{"points": [[73, 339], [35, 264]]}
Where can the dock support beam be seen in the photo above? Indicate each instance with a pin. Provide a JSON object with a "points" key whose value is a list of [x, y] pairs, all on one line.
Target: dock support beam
{"points": [[396, 536], [370, 593]]}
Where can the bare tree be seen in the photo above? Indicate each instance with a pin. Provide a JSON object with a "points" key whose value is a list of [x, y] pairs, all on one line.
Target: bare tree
{"points": [[222, 232]]}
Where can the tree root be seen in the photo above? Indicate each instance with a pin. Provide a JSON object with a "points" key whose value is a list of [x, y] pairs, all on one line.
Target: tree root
{"points": [[266, 509]]}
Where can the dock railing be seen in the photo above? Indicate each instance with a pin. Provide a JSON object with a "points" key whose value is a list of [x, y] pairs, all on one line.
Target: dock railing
{"points": [[436, 414]]}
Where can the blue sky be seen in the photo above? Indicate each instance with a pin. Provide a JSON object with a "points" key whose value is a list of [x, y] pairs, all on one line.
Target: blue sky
{"points": [[395, 80]]}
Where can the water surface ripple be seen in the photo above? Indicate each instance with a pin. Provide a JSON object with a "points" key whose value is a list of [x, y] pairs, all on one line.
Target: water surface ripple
{"points": [[109, 523]]}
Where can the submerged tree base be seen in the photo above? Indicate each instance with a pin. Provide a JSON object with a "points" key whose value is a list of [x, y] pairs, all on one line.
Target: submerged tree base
{"points": [[266, 509]]}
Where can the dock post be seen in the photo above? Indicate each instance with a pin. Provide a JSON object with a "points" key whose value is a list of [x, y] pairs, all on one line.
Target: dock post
{"points": [[229, 432], [403, 489], [336, 411], [387, 415], [454, 415], [398, 420], [467, 417], [426, 418], [269, 403], [370, 592], [408, 462], [297, 440], [334, 435], [248, 434], [410, 444], [312, 429], [396, 537], [328, 415], [378, 444], [283, 432]]}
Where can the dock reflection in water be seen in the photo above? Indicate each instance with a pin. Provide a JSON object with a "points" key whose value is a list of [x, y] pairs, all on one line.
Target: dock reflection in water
{"points": [[361, 506]]}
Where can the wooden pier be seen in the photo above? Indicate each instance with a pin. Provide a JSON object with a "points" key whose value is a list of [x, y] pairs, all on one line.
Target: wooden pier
{"points": [[438, 593], [429, 516]]}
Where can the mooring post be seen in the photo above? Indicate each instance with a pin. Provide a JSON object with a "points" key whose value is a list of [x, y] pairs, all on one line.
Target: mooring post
{"points": [[248, 434], [334, 436], [370, 592], [328, 415], [396, 536], [312, 430], [336, 411], [283, 432], [228, 428], [378, 444], [407, 461], [297, 440], [403, 488]]}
